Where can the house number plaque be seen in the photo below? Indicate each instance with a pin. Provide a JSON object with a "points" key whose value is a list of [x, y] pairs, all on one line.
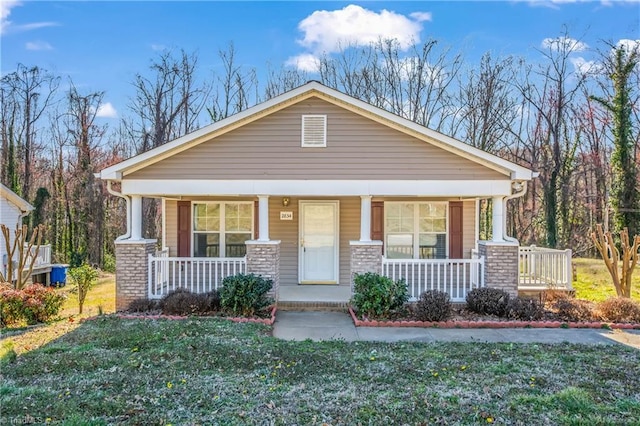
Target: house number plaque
{"points": [[286, 215]]}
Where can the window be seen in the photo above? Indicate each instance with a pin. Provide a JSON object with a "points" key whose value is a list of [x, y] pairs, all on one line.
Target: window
{"points": [[314, 131], [416, 230], [221, 229]]}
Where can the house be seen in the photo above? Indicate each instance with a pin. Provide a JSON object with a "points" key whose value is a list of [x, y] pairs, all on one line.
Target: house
{"points": [[308, 189], [12, 209]]}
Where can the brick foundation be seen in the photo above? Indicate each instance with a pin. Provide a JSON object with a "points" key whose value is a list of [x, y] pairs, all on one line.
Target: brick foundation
{"points": [[500, 265], [132, 270], [365, 257], [263, 258]]}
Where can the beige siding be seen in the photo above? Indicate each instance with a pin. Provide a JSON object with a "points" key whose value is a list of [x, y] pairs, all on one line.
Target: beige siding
{"points": [[171, 226], [468, 228], [357, 148], [287, 231]]}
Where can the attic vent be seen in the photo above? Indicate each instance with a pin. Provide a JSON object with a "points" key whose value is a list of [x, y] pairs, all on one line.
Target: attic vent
{"points": [[314, 131]]}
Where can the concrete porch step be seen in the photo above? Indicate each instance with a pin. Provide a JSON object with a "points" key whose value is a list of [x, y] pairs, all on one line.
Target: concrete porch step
{"points": [[313, 298], [313, 306]]}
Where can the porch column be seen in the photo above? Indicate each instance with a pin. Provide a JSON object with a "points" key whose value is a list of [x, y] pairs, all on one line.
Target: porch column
{"points": [[366, 256], [263, 258], [365, 218], [500, 265], [132, 270], [136, 217], [498, 219], [263, 217]]}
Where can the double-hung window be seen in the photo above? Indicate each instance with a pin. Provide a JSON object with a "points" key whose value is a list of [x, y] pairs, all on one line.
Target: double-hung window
{"points": [[220, 229], [416, 230]]}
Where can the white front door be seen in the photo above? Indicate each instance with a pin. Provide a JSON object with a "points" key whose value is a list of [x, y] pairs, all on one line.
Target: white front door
{"points": [[319, 242]]}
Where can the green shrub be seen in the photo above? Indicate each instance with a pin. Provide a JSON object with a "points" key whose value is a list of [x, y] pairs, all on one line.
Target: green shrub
{"points": [[489, 301], [433, 305], [245, 294], [109, 263], [184, 302], [85, 278], [377, 296], [568, 309], [33, 304], [525, 309], [619, 309], [143, 305]]}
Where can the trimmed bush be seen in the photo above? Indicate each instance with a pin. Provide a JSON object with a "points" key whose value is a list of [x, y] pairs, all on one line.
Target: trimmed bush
{"points": [[433, 305], [143, 305], [524, 309], [183, 302], [568, 309], [377, 296], [245, 294], [33, 304], [619, 309], [488, 301]]}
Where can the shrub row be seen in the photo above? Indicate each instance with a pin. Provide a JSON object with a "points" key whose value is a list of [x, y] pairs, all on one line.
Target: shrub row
{"points": [[242, 294], [33, 304]]}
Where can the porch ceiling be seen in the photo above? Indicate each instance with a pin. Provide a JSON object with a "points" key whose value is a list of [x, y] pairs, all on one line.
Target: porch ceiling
{"points": [[439, 188]]}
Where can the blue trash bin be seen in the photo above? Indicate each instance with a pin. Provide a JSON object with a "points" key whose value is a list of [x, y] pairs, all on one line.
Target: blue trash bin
{"points": [[59, 275]]}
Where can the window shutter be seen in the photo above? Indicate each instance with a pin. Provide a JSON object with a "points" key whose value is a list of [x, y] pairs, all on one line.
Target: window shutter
{"points": [[256, 220], [314, 131], [455, 230], [377, 220], [184, 228]]}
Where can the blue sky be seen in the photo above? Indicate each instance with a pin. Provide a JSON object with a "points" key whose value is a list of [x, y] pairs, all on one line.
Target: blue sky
{"points": [[102, 45]]}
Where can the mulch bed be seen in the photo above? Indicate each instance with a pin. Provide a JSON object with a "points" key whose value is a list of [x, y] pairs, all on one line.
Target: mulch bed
{"points": [[466, 319]]}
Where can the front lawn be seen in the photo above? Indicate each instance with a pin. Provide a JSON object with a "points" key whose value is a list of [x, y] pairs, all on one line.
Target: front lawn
{"points": [[593, 282], [211, 371]]}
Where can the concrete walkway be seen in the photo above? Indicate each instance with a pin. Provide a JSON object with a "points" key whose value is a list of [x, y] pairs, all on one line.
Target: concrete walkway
{"points": [[339, 326]]}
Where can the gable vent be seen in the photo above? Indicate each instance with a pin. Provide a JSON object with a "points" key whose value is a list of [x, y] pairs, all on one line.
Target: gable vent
{"points": [[314, 131]]}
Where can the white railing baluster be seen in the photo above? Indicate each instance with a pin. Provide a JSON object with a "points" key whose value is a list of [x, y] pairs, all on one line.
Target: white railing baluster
{"points": [[541, 268], [195, 274], [455, 276]]}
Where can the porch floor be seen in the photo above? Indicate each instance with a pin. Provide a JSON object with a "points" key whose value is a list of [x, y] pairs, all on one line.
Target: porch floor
{"points": [[314, 294]]}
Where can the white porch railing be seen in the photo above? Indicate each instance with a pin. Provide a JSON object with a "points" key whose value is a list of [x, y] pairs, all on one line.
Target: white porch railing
{"points": [[196, 274], [542, 268], [454, 276], [42, 259]]}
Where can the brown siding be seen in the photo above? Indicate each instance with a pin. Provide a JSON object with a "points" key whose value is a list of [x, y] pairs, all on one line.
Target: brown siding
{"points": [[455, 229], [184, 228], [357, 148]]}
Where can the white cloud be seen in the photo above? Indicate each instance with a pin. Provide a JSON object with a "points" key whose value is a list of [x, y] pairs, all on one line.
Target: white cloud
{"points": [[582, 66], [564, 43], [5, 11], [304, 62], [158, 47], [326, 31], [629, 45], [421, 16], [7, 26], [38, 45], [107, 110]]}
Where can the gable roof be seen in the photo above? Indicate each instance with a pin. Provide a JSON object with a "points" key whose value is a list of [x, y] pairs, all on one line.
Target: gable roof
{"points": [[15, 199], [308, 90]]}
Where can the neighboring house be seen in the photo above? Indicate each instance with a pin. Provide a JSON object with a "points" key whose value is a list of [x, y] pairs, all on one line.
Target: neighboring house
{"points": [[308, 189], [12, 209]]}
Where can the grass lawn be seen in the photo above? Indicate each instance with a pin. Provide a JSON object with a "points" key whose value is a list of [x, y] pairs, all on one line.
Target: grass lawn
{"points": [[593, 281], [210, 371]]}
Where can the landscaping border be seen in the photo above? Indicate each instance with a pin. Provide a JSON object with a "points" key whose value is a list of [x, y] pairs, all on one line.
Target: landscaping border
{"points": [[491, 324], [266, 321]]}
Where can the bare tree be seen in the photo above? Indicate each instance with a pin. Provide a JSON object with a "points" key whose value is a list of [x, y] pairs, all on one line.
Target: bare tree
{"points": [[26, 94], [167, 105]]}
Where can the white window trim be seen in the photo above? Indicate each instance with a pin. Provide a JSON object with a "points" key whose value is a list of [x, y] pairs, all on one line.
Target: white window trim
{"points": [[324, 131], [416, 225], [222, 232]]}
